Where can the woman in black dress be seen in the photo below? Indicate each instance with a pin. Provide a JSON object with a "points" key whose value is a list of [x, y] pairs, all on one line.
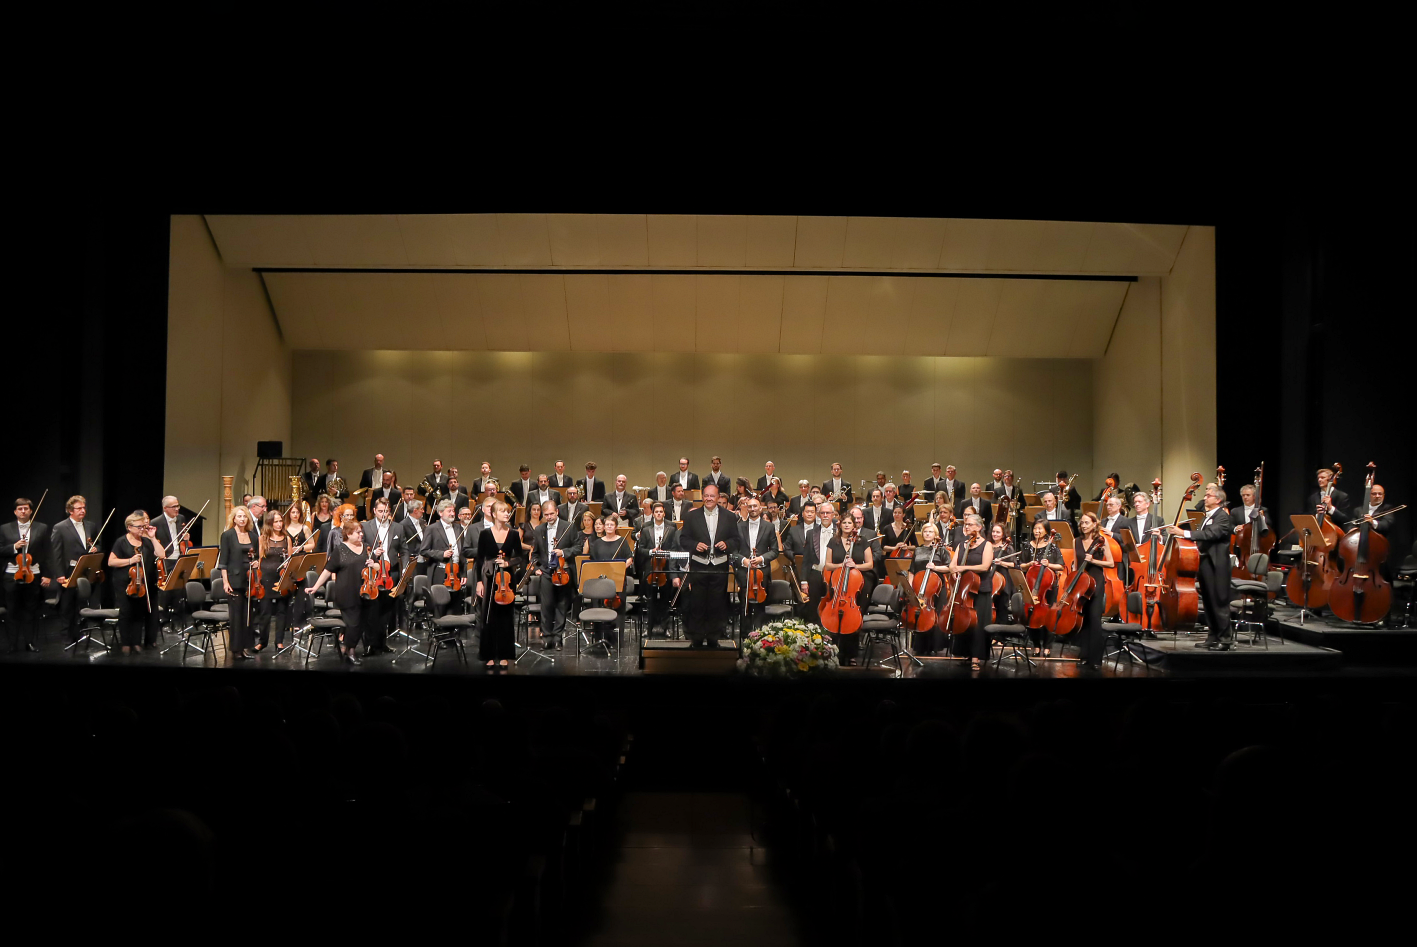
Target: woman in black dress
{"points": [[346, 561], [898, 537], [846, 548], [935, 557], [528, 529], [302, 540], [498, 547], [275, 608], [1090, 552], [974, 554], [1041, 549], [238, 548], [138, 545], [1002, 546], [322, 520], [609, 546]]}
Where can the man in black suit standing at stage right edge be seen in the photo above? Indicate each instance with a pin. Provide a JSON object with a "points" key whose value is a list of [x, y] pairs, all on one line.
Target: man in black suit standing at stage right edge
{"points": [[1212, 537]]}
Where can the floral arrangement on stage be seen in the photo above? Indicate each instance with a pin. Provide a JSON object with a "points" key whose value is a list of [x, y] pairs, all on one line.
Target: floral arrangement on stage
{"points": [[789, 648]]}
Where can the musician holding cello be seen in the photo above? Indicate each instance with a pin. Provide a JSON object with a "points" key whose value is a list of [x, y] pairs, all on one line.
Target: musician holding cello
{"points": [[974, 554], [847, 550], [24, 539], [1041, 555], [1091, 552], [1212, 538], [930, 557]]}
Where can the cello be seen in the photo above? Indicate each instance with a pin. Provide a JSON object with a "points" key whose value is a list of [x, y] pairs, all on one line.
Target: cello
{"points": [[919, 614], [960, 616], [1065, 615], [838, 611], [1361, 594], [1148, 582], [1040, 580], [1248, 541], [1177, 597], [1308, 586]]}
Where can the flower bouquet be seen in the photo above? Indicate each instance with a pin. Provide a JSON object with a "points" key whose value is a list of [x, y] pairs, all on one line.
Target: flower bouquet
{"points": [[788, 648]]}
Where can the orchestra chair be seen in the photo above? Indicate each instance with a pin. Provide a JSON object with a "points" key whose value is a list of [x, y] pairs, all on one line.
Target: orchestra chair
{"points": [[325, 622], [528, 607], [1251, 605], [101, 620], [207, 623], [1124, 632], [881, 623], [420, 614], [596, 589], [1012, 639], [1405, 579], [778, 605], [448, 629]]}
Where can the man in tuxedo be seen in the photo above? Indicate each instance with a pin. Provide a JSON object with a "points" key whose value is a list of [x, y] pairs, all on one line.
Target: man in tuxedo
{"points": [[621, 502], [757, 548], [560, 480], [686, 477], [310, 479], [572, 509], [552, 541], [836, 485], [877, 514], [1246, 511], [456, 494], [1212, 537], [794, 537], [373, 477], [658, 533], [766, 478], [383, 541], [802, 499], [678, 504], [1371, 513], [951, 484], [591, 488], [975, 498], [661, 490], [717, 477], [542, 492], [892, 500], [1112, 521], [479, 485], [1051, 509], [933, 483], [815, 540], [710, 537], [1068, 497], [166, 529], [438, 480], [386, 490], [415, 530], [444, 543], [23, 599], [67, 542], [406, 496], [522, 487], [866, 534], [1328, 500]]}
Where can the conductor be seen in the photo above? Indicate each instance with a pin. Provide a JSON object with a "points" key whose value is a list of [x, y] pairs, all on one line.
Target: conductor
{"points": [[709, 536]]}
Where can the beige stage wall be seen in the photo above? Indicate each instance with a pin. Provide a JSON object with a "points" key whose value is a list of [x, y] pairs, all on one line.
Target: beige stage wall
{"points": [[637, 413], [1146, 408]]}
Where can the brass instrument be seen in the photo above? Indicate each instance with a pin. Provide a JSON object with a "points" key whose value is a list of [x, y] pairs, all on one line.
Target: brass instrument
{"points": [[431, 494], [297, 495], [334, 486]]}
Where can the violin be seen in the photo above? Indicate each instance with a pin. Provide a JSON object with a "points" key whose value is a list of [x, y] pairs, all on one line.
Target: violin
{"points": [[502, 591], [369, 578], [658, 563], [920, 615], [838, 611], [1360, 593], [961, 614], [1178, 598], [1065, 615], [562, 575], [755, 589], [257, 590], [24, 562], [453, 579], [1040, 580], [137, 581]]}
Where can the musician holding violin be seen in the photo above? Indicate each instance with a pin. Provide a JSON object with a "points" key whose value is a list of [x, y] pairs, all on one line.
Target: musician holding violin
{"points": [[70, 539], [236, 551], [133, 564], [898, 538], [443, 551], [384, 538], [661, 574], [552, 545], [757, 548], [846, 550], [1212, 538], [499, 565], [24, 542], [274, 552], [345, 563]]}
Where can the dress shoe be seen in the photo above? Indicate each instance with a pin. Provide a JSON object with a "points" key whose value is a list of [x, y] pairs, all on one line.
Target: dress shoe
{"points": [[1207, 643], [1227, 644], [352, 659], [32, 649]]}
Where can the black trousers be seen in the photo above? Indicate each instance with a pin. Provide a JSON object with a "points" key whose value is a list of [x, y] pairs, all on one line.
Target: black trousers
{"points": [[242, 637], [1215, 596], [137, 624], [708, 611], [275, 610], [555, 606], [22, 605], [1093, 636], [69, 606], [659, 598], [378, 619]]}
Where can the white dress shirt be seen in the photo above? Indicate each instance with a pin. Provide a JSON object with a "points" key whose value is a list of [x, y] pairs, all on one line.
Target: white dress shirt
{"points": [[753, 535], [684, 479], [452, 540], [1210, 514], [824, 539]]}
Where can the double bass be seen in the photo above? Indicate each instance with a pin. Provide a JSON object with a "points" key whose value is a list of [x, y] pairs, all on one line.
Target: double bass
{"points": [[1147, 581], [1308, 586], [1360, 593], [1248, 541], [1177, 599], [919, 614]]}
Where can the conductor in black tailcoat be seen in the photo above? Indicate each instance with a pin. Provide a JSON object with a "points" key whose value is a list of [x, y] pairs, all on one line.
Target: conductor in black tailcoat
{"points": [[1212, 537], [710, 537]]}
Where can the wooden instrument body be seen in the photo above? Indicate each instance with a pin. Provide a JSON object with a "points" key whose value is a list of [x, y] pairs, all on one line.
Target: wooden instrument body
{"points": [[1360, 593], [957, 614], [1178, 597], [369, 585], [1065, 615], [1114, 589], [1146, 581], [755, 589], [136, 579], [254, 588], [502, 591], [1245, 544], [657, 576], [838, 611], [1323, 571], [1040, 580], [24, 568], [926, 585]]}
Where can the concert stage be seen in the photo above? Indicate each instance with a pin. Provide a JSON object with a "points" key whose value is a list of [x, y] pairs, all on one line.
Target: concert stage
{"points": [[1366, 644]]}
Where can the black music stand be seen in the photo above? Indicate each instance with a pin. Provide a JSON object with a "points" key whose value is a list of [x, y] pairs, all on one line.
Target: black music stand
{"points": [[88, 566], [1313, 547], [177, 579]]}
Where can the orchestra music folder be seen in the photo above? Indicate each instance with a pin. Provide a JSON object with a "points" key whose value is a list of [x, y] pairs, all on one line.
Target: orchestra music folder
{"points": [[614, 571], [1196, 517], [898, 571], [206, 561], [595, 507], [1129, 546], [87, 566], [1306, 529], [1065, 532], [181, 571]]}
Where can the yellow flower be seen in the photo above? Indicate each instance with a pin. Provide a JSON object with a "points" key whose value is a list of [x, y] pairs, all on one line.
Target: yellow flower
{"points": [[817, 638], [803, 667], [782, 649], [811, 663]]}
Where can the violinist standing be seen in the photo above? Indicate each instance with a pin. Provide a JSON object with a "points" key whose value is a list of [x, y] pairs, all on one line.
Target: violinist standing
{"points": [[443, 546], [138, 547], [169, 525], [757, 544], [68, 541], [974, 554], [23, 599], [552, 542], [846, 548], [1095, 556], [1212, 538], [818, 531], [499, 548], [658, 534], [345, 563], [274, 545], [384, 539], [239, 545]]}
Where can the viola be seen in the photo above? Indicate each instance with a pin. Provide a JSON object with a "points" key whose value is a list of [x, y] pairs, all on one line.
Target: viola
{"points": [[920, 614], [502, 591], [961, 615], [1360, 593], [1178, 599], [453, 579], [1065, 615], [1040, 580], [838, 611]]}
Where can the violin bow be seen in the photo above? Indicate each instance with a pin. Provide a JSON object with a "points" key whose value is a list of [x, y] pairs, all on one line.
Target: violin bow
{"points": [[93, 541], [182, 533]]}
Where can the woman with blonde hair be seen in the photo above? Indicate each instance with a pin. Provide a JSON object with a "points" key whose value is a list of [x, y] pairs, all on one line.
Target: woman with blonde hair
{"points": [[238, 547], [499, 549], [137, 547], [974, 554]]}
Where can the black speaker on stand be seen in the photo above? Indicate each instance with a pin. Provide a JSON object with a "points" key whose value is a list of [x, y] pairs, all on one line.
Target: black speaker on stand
{"points": [[270, 450]]}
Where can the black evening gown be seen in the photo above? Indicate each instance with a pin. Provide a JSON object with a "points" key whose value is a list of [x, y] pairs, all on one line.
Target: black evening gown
{"points": [[498, 640], [976, 644], [345, 566]]}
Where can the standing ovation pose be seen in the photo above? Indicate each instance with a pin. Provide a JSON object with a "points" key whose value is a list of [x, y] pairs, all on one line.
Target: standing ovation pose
{"points": [[133, 561], [237, 549], [25, 537], [1091, 552], [499, 550]]}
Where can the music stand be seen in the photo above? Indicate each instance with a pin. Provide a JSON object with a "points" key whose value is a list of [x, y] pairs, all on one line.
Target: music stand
{"points": [[1129, 550], [595, 507], [1090, 506], [697, 496], [1031, 499], [360, 498], [587, 570], [921, 511], [87, 566], [898, 571], [1030, 513], [1021, 586], [1065, 531], [1314, 547], [206, 561], [176, 579]]}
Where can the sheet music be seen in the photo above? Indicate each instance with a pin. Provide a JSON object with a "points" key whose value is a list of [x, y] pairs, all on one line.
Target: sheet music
{"points": [[709, 560]]}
